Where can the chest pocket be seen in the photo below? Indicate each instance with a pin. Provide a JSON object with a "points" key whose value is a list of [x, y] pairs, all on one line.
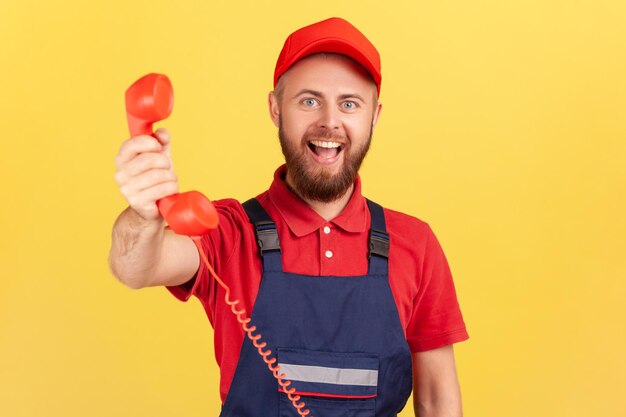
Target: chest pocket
{"points": [[331, 384]]}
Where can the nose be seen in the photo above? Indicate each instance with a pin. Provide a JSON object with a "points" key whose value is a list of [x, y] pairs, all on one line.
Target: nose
{"points": [[330, 118]]}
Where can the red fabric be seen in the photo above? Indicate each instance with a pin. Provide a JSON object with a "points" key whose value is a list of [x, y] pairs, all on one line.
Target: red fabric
{"points": [[419, 275], [330, 35]]}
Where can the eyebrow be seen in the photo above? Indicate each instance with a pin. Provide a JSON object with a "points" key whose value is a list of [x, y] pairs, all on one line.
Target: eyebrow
{"points": [[358, 97], [311, 92], [320, 95]]}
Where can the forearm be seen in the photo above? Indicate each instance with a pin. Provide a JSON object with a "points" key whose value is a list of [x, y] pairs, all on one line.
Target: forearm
{"points": [[436, 390], [135, 248]]}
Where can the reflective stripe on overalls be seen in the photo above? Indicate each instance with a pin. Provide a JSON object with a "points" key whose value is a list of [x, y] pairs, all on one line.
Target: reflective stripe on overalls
{"points": [[338, 339]]}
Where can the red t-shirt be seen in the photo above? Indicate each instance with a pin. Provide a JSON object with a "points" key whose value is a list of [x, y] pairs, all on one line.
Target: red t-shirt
{"points": [[419, 275]]}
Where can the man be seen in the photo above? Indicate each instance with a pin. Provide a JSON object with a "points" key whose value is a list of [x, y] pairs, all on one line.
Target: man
{"points": [[356, 302]]}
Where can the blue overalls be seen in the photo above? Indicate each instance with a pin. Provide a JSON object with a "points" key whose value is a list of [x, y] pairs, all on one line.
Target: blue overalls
{"points": [[338, 339]]}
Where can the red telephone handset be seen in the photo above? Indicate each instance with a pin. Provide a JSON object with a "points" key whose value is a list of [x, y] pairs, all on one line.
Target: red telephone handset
{"points": [[149, 100]]}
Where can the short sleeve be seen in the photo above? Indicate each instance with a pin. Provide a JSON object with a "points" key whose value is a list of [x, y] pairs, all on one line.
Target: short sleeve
{"points": [[436, 318], [218, 246], [197, 285]]}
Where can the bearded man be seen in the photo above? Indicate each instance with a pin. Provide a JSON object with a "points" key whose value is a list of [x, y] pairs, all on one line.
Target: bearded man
{"points": [[355, 301]]}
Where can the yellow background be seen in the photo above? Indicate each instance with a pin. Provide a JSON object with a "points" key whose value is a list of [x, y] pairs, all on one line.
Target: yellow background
{"points": [[504, 127]]}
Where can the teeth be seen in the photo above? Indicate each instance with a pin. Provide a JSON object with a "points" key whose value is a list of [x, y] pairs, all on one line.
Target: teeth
{"points": [[322, 144]]}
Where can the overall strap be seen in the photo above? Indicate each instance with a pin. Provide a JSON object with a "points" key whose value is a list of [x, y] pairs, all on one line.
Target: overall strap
{"points": [[266, 235], [378, 241]]}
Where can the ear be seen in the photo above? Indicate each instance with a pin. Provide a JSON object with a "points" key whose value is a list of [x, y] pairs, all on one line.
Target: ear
{"points": [[272, 103], [379, 108]]}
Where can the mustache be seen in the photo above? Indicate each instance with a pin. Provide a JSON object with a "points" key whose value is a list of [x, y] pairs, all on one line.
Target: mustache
{"points": [[324, 134]]}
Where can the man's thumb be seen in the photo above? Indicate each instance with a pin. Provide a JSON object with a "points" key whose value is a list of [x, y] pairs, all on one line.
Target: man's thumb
{"points": [[163, 136]]}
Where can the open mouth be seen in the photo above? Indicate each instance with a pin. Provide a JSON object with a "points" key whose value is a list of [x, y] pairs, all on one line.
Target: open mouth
{"points": [[326, 150]]}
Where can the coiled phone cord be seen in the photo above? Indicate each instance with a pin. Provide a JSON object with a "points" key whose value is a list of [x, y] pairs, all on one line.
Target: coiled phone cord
{"points": [[255, 338]]}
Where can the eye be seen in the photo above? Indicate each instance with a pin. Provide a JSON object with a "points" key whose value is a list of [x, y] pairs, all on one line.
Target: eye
{"points": [[309, 102], [349, 105]]}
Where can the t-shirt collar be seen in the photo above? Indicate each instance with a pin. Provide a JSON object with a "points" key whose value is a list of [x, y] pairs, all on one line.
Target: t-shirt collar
{"points": [[302, 219]]}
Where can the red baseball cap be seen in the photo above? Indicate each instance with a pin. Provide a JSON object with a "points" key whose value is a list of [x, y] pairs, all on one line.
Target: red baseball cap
{"points": [[330, 35]]}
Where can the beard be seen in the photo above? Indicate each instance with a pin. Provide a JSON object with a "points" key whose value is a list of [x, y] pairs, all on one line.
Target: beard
{"points": [[317, 182]]}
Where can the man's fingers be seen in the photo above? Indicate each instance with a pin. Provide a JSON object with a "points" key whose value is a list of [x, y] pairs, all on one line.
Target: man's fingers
{"points": [[135, 146], [146, 198], [147, 180], [145, 173], [142, 163]]}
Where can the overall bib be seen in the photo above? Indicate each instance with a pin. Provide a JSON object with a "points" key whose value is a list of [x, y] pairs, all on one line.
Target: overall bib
{"points": [[338, 339]]}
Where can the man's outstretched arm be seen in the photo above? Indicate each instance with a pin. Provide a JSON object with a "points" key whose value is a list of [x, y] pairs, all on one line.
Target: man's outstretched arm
{"points": [[142, 252]]}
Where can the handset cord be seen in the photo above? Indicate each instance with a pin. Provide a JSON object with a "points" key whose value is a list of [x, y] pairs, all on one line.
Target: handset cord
{"points": [[255, 338]]}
